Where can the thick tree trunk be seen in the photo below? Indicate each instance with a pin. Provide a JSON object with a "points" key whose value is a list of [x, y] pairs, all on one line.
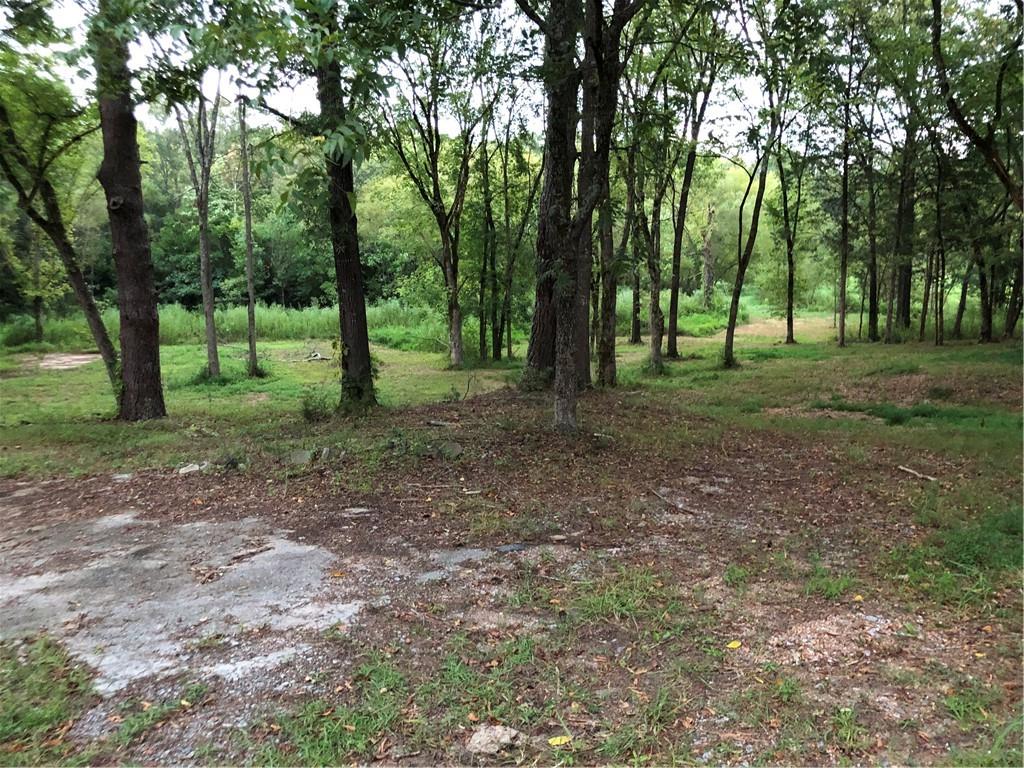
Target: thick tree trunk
{"points": [[961, 306], [356, 365], [677, 252], [449, 260], [553, 335], [250, 263], [119, 174]]}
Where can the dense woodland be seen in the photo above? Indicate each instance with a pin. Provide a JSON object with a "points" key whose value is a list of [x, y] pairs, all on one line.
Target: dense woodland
{"points": [[572, 172]]}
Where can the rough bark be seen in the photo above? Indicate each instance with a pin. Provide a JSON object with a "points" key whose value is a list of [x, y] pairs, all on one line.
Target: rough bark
{"points": [[1013, 307], [985, 332], [253, 366], [844, 248], [606, 369], [357, 388], [121, 178]]}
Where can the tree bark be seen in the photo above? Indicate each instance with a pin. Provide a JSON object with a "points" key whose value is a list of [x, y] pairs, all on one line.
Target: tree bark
{"points": [[606, 368], [844, 249], [357, 388], [120, 176], [672, 350], [872, 252], [1013, 307], [927, 294], [961, 307], [985, 332], [250, 263], [707, 261], [555, 308]]}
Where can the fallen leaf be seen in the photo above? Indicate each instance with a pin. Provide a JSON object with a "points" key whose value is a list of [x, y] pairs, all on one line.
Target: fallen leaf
{"points": [[734, 645], [559, 741], [472, 717], [858, 598]]}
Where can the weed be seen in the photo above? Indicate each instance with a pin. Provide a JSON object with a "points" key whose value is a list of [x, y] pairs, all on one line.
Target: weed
{"points": [[821, 581], [736, 576], [846, 731]]}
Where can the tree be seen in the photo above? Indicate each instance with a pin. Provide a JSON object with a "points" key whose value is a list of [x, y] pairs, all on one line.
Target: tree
{"points": [[198, 129], [142, 396], [30, 171], [253, 366], [443, 54]]}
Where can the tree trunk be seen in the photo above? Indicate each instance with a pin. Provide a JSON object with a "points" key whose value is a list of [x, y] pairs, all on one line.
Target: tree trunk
{"points": [[487, 263], [553, 335], [1013, 308], [985, 334], [707, 261], [356, 365], [482, 309], [606, 369], [927, 294], [790, 238], [904, 246], [119, 174], [250, 263], [844, 249], [872, 254], [728, 357], [961, 307], [449, 260], [634, 327], [206, 283], [677, 252], [37, 296]]}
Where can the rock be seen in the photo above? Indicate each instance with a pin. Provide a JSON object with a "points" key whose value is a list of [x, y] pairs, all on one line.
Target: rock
{"points": [[558, 537], [492, 739], [451, 449], [122, 478], [300, 456], [188, 469], [507, 548]]}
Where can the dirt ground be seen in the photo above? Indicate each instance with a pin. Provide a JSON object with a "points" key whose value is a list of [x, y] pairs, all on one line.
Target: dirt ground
{"points": [[473, 523]]}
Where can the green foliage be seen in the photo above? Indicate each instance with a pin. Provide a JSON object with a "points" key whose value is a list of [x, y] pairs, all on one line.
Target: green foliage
{"points": [[324, 734], [822, 581], [41, 691]]}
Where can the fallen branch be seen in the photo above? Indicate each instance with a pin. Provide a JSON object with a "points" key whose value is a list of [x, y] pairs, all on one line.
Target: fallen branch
{"points": [[915, 473]]}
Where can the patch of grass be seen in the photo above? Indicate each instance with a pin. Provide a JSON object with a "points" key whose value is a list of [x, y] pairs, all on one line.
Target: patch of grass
{"points": [[822, 581], [628, 594], [995, 751], [647, 735], [845, 730], [972, 703], [961, 563], [137, 723], [324, 733], [736, 576], [477, 685], [896, 368], [42, 693]]}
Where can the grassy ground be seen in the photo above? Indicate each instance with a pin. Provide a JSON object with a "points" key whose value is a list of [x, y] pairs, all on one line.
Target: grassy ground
{"points": [[750, 575]]}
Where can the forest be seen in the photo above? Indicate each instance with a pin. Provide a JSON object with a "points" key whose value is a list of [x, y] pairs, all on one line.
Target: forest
{"points": [[489, 381]]}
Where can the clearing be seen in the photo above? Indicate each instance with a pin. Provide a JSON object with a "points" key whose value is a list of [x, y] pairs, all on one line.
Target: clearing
{"points": [[727, 567]]}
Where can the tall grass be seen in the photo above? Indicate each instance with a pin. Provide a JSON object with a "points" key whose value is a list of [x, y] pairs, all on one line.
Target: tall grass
{"points": [[417, 329]]}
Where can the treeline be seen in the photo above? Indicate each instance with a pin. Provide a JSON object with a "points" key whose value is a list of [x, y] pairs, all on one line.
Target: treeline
{"points": [[871, 148]]}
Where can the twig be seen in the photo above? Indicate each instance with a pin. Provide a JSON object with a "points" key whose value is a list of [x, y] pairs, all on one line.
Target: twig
{"points": [[915, 473]]}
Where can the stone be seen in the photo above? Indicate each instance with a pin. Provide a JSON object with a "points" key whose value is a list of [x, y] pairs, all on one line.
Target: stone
{"points": [[492, 739], [188, 469], [451, 450], [122, 477], [300, 456], [508, 548]]}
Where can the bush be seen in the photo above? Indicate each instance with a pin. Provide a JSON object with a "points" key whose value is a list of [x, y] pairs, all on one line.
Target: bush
{"points": [[318, 404]]}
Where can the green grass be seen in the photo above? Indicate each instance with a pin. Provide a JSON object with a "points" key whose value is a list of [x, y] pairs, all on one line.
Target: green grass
{"points": [[145, 717], [42, 692], [328, 733], [824, 582]]}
